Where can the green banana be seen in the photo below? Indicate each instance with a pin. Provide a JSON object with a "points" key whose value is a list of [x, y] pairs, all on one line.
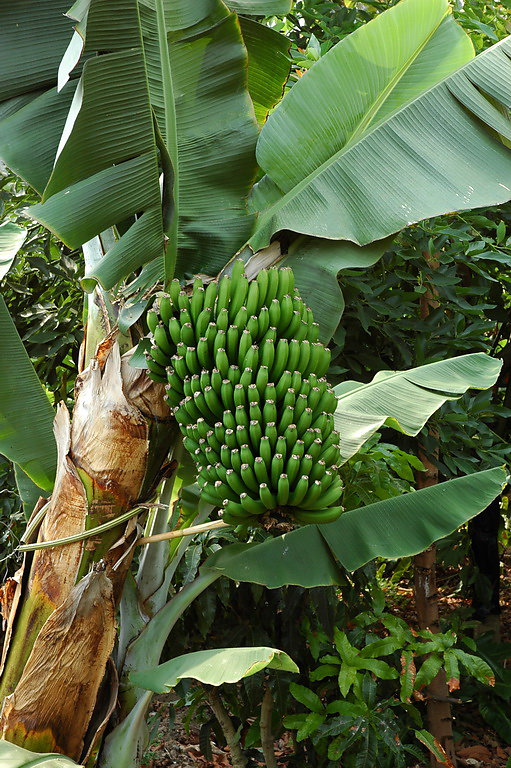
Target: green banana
{"points": [[316, 517], [256, 432], [252, 506], [152, 318], [166, 307], [244, 376], [283, 489]]}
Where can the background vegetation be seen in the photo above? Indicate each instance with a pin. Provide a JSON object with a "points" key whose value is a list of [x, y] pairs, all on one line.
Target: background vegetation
{"points": [[464, 260]]}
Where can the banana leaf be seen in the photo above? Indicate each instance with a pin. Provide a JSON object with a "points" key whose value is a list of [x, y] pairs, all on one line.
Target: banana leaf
{"points": [[34, 37], [394, 528], [268, 65], [12, 756], [213, 667], [260, 7], [26, 415], [396, 123], [405, 400], [163, 93], [316, 263], [12, 238]]}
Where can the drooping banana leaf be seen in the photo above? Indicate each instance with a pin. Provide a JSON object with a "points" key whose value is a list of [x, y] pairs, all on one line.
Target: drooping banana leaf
{"points": [[12, 238], [394, 528], [405, 400], [166, 92], [26, 416], [316, 264], [213, 667], [12, 756], [395, 123], [268, 65], [33, 39]]}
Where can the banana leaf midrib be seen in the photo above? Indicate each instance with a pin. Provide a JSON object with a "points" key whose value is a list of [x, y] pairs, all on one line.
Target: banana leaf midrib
{"points": [[170, 140], [380, 100]]}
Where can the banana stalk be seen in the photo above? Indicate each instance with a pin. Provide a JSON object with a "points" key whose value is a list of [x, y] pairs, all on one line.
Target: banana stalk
{"points": [[109, 458]]}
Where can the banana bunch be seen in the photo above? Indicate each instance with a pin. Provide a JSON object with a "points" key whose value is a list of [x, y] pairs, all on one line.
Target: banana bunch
{"points": [[244, 375]]}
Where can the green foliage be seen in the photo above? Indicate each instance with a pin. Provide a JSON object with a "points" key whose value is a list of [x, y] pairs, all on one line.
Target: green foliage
{"points": [[213, 667], [43, 296], [359, 705]]}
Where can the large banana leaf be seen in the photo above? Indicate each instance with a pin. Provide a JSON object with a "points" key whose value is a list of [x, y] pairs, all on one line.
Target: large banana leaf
{"points": [[33, 39], [12, 756], [163, 87], [397, 527], [26, 416], [268, 65], [316, 264], [387, 132], [405, 400], [213, 667]]}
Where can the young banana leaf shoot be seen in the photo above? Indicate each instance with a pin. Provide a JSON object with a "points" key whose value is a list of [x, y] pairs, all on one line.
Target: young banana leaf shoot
{"points": [[244, 373]]}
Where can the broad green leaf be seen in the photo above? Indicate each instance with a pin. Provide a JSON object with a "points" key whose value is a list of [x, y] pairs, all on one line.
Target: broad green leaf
{"points": [[268, 65], [397, 527], [434, 746], [408, 524], [405, 400], [12, 756], [32, 114], [28, 58], [26, 416], [378, 667], [324, 670], [311, 724], [316, 264], [260, 7], [347, 678], [293, 721], [407, 677], [12, 238], [367, 750], [300, 557], [306, 697], [347, 652], [452, 671], [475, 666], [163, 88], [383, 124], [382, 647], [28, 491], [214, 667]]}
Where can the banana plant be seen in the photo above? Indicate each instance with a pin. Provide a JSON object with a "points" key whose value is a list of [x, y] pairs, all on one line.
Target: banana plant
{"points": [[143, 127]]}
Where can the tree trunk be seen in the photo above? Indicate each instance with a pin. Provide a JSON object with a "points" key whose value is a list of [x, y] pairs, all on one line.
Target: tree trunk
{"points": [[109, 460], [425, 590]]}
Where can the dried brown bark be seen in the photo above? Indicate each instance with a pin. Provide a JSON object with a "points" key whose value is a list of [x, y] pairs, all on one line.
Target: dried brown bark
{"points": [[109, 459], [55, 697]]}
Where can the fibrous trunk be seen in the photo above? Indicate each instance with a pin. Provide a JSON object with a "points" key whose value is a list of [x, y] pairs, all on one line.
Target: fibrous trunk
{"points": [[60, 612]]}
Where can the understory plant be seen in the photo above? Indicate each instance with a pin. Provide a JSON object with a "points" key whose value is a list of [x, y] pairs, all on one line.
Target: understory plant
{"points": [[359, 704], [143, 131]]}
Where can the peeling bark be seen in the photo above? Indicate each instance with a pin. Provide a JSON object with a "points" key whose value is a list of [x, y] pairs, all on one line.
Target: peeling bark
{"points": [[53, 702], [110, 457]]}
